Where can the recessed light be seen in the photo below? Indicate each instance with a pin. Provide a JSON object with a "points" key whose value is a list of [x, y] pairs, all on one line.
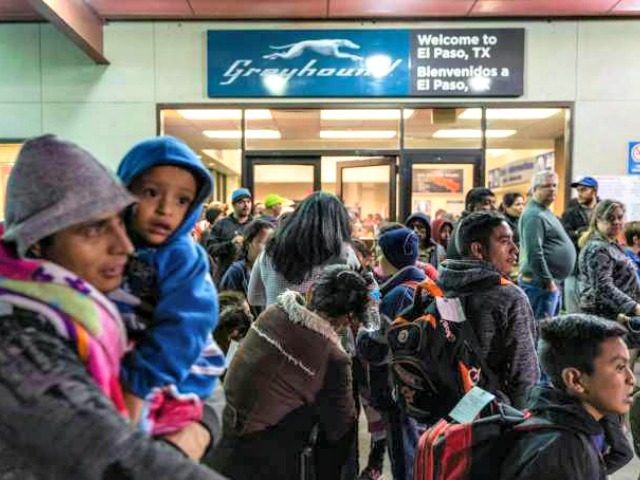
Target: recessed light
{"points": [[236, 134], [471, 133], [509, 113], [357, 134]]}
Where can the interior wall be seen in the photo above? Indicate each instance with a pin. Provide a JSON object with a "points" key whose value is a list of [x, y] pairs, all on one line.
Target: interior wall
{"points": [[48, 85]]}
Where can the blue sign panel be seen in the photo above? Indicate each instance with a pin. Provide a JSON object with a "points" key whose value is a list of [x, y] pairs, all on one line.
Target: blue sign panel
{"points": [[308, 63], [634, 158], [366, 63]]}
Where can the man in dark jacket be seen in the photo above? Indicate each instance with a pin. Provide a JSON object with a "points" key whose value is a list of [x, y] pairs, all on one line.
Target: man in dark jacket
{"points": [[497, 310], [587, 362], [225, 241], [575, 221], [478, 199]]}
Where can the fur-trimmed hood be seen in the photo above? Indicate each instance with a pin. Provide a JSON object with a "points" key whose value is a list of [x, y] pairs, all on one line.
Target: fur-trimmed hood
{"points": [[293, 304]]}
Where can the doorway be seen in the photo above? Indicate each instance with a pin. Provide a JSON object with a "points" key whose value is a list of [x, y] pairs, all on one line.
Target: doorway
{"points": [[290, 177], [368, 190]]}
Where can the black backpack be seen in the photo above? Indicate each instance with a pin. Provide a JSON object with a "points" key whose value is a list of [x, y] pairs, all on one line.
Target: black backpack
{"points": [[476, 450], [434, 362]]}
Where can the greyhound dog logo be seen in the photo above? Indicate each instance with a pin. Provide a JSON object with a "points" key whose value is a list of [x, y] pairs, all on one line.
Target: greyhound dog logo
{"points": [[329, 47]]}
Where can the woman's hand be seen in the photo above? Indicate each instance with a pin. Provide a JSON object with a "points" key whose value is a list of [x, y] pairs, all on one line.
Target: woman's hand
{"points": [[193, 440], [134, 406]]}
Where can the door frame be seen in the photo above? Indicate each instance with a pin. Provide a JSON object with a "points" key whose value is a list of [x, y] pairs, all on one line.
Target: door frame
{"points": [[409, 158], [250, 160], [387, 160]]}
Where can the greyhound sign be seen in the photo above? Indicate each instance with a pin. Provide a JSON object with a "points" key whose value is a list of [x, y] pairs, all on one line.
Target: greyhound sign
{"points": [[365, 63], [307, 63]]}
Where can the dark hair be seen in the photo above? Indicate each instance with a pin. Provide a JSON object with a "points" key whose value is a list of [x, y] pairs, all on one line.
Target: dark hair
{"points": [[212, 214], [509, 199], [477, 227], [251, 231], [603, 211], [317, 231], [631, 229], [389, 226], [338, 291], [361, 247], [233, 316], [573, 341], [476, 195]]}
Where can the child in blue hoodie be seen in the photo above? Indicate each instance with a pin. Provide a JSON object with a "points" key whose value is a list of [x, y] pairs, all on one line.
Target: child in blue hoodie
{"points": [[174, 363]]}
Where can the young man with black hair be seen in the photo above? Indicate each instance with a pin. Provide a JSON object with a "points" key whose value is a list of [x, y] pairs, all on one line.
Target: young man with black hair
{"points": [[498, 311], [478, 199], [587, 362]]}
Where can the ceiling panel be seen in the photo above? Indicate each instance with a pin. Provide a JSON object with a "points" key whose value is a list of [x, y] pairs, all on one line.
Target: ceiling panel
{"points": [[627, 7], [11, 10], [395, 8], [280, 9], [114, 9], [509, 8]]}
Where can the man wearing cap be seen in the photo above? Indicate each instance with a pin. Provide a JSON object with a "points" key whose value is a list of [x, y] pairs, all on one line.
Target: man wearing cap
{"points": [[575, 221], [225, 241], [273, 204]]}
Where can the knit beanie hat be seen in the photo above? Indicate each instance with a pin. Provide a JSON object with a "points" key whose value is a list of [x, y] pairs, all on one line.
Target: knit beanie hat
{"points": [[400, 247], [56, 184]]}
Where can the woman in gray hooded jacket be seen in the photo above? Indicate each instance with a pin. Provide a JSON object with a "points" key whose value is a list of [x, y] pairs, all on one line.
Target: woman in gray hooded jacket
{"points": [[62, 414]]}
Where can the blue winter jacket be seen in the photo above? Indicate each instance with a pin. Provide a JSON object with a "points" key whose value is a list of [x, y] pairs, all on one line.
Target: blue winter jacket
{"points": [[177, 347]]}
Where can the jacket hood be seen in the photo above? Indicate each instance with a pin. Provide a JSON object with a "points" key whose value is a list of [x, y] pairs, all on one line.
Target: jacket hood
{"points": [[407, 274], [458, 277], [559, 407], [293, 305], [168, 150], [437, 225], [421, 217]]}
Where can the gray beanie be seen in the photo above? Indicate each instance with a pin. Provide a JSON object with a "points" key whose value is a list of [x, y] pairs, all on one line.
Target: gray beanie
{"points": [[56, 184]]}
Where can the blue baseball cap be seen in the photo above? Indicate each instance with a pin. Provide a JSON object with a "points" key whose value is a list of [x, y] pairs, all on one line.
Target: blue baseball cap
{"points": [[239, 194], [586, 182]]}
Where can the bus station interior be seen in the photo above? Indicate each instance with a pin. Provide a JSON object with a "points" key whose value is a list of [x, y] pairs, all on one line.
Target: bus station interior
{"points": [[358, 152]]}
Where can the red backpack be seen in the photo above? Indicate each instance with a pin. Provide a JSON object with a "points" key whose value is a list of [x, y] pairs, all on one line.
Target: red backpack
{"points": [[474, 450]]}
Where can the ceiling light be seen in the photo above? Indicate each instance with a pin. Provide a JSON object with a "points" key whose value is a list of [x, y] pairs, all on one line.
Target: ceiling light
{"points": [[378, 65], [509, 113], [275, 84], [205, 114], [236, 134], [480, 84], [497, 152], [357, 134], [364, 114], [471, 133]]}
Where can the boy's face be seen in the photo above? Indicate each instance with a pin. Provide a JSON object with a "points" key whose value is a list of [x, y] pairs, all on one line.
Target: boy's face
{"points": [[608, 389], [165, 196]]}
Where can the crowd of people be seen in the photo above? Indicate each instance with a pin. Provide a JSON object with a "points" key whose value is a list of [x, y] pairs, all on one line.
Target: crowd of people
{"points": [[143, 336]]}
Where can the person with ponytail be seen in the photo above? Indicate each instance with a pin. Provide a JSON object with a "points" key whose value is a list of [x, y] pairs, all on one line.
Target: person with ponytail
{"points": [[609, 284], [290, 378]]}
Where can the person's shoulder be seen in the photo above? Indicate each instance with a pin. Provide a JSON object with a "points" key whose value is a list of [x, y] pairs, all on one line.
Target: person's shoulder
{"points": [[552, 454]]}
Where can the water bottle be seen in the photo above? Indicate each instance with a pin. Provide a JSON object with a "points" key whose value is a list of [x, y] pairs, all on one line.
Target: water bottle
{"points": [[371, 322]]}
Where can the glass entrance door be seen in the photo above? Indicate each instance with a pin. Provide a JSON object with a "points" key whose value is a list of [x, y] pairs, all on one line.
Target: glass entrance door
{"points": [[368, 190], [439, 180], [291, 177]]}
